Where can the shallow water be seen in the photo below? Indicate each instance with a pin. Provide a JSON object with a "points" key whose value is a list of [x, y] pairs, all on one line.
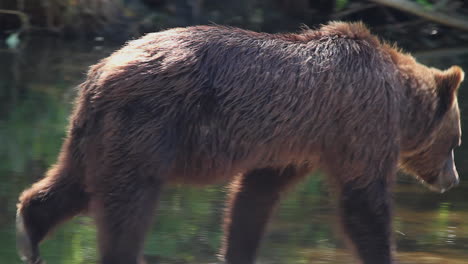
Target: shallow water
{"points": [[36, 88]]}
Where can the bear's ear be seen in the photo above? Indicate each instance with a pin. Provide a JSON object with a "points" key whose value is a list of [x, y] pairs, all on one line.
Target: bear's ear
{"points": [[447, 83]]}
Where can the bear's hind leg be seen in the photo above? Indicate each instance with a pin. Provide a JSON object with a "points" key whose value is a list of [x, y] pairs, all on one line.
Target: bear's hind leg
{"points": [[123, 209], [252, 199], [57, 197]]}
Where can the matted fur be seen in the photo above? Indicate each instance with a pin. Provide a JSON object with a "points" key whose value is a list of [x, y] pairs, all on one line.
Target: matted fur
{"points": [[281, 99]]}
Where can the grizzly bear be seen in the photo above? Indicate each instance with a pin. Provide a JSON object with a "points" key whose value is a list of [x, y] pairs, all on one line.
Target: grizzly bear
{"points": [[210, 104]]}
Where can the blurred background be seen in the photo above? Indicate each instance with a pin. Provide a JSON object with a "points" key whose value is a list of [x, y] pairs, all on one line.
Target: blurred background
{"points": [[47, 46]]}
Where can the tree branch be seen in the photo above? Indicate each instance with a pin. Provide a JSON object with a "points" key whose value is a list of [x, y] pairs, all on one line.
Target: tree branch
{"points": [[22, 16], [444, 52], [450, 20]]}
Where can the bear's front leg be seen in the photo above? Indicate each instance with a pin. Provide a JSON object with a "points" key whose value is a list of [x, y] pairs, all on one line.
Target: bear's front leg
{"points": [[366, 218]]}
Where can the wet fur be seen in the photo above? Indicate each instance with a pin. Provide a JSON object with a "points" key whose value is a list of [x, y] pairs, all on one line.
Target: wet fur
{"points": [[203, 104]]}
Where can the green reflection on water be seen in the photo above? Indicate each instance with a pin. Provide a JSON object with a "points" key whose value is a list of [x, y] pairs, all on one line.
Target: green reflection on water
{"points": [[35, 94]]}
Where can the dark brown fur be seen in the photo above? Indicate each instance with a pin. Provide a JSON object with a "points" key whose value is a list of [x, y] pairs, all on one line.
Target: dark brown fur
{"points": [[203, 104]]}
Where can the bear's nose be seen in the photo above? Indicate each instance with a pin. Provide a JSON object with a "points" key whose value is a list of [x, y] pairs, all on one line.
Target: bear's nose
{"points": [[447, 181]]}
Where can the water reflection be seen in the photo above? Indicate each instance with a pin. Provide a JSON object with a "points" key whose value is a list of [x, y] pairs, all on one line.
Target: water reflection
{"points": [[35, 91]]}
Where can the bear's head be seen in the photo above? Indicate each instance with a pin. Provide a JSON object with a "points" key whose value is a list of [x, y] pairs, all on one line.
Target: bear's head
{"points": [[433, 162]]}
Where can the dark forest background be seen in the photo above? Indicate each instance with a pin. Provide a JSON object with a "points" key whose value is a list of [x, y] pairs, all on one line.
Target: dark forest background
{"points": [[434, 23]]}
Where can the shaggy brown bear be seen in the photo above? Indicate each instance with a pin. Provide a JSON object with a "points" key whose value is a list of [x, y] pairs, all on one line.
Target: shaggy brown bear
{"points": [[210, 104]]}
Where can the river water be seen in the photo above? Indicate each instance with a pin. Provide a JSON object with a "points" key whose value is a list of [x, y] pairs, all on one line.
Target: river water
{"points": [[36, 87]]}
